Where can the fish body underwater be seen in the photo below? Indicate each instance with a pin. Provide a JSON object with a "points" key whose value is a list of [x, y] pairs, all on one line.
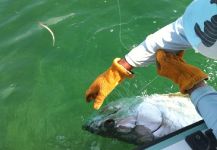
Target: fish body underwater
{"points": [[141, 120]]}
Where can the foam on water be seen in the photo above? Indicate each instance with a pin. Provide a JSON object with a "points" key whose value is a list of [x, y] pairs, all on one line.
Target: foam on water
{"points": [[210, 67]]}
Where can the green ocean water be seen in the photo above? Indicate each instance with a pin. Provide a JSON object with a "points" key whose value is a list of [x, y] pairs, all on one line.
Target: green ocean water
{"points": [[42, 105]]}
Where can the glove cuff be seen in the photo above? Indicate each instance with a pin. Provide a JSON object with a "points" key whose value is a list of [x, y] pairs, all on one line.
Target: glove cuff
{"points": [[123, 72], [193, 81]]}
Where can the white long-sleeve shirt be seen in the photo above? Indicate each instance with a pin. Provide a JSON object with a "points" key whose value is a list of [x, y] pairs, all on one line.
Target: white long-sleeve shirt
{"points": [[179, 34], [170, 38]]}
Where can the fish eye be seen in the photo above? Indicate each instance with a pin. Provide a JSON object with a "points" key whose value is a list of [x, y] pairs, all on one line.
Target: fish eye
{"points": [[110, 123]]}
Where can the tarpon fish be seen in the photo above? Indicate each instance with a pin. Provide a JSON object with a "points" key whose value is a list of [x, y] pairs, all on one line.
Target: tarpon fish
{"points": [[141, 120]]}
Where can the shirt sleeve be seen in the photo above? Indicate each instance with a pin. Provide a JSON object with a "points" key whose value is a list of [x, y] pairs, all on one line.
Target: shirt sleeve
{"points": [[205, 101], [170, 38]]}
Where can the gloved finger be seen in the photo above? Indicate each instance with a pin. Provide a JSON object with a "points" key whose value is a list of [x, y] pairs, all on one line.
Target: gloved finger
{"points": [[91, 97], [91, 93], [98, 101]]}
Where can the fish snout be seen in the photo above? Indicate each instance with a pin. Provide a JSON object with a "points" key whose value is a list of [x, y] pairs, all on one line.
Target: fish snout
{"points": [[87, 127], [91, 127]]}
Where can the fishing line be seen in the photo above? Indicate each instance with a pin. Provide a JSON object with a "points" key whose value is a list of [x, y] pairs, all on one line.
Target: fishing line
{"points": [[122, 43], [120, 27], [148, 84]]}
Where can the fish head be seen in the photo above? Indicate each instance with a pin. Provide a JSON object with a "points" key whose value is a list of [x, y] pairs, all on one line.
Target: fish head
{"points": [[127, 119]]}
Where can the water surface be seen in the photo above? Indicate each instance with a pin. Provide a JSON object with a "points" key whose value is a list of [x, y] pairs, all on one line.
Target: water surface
{"points": [[42, 86]]}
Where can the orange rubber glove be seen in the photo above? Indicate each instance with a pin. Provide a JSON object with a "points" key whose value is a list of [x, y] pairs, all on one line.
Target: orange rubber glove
{"points": [[174, 67], [106, 82]]}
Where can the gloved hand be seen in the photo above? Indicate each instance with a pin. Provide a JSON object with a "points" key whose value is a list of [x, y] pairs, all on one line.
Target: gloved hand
{"points": [[174, 67], [106, 82]]}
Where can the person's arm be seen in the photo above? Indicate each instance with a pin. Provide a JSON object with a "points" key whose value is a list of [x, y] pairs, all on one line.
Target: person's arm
{"points": [[171, 38], [204, 98], [190, 80]]}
